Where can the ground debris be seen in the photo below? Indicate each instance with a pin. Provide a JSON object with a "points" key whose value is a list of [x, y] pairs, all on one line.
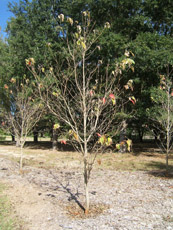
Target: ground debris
{"points": [[50, 199]]}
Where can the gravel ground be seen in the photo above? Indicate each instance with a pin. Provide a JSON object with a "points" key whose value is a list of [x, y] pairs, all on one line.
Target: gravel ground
{"points": [[134, 200]]}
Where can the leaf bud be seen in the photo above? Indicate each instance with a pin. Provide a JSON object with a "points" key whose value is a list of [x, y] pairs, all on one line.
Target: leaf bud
{"points": [[70, 20], [13, 80], [61, 17], [107, 25], [79, 29], [56, 126], [98, 47], [127, 53], [6, 86]]}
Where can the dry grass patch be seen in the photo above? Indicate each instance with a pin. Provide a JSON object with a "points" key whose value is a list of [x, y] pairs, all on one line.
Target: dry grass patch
{"points": [[46, 158], [129, 162]]}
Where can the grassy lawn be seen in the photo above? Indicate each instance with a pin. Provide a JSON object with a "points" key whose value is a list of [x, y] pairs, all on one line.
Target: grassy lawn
{"points": [[145, 157], [7, 222]]}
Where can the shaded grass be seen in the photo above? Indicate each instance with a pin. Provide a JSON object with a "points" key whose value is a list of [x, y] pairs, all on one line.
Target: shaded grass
{"points": [[7, 222]]}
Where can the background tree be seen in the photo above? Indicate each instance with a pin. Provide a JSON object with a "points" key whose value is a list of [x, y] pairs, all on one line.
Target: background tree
{"points": [[23, 111], [33, 31], [161, 114], [4, 68]]}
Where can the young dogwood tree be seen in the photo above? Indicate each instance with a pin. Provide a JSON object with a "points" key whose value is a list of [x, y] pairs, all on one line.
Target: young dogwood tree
{"points": [[23, 111], [82, 92], [161, 113]]}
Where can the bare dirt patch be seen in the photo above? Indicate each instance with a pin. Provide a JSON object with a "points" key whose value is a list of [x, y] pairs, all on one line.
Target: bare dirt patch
{"points": [[77, 211]]}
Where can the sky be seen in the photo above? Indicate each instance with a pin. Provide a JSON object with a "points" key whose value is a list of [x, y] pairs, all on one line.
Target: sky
{"points": [[5, 14]]}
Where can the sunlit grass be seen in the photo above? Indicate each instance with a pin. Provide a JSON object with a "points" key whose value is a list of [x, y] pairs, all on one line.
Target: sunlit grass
{"points": [[150, 159], [130, 162], [7, 222]]}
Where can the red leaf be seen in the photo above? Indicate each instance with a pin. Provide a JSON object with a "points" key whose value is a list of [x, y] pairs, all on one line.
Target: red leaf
{"points": [[6, 86], [98, 134], [104, 100], [63, 142], [112, 96], [132, 101], [91, 92]]}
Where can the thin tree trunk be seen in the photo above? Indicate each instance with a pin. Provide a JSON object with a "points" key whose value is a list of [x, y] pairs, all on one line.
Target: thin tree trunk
{"points": [[35, 133], [86, 169], [168, 131], [87, 197], [13, 138], [21, 157], [86, 179], [54, 139], [140, 134], [167, 159], [18, 142]]}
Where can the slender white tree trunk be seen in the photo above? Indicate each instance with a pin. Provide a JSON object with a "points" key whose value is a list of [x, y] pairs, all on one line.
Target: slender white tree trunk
{"points": [[86, 168], [168, 130], [87, 203], [17, 141], [21, 156]]}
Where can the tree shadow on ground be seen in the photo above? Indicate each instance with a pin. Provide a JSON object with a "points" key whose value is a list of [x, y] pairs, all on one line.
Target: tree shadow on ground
{"points": [[45, 145], [7, 143], [161, 172], [144, 147], [76, 209], [72, 196]]}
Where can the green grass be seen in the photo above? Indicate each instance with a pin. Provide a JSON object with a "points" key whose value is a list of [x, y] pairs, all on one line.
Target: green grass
{"points": [[6, 220]]}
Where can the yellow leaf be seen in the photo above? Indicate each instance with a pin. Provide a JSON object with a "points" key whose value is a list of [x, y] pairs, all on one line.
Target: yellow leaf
{"points": [[107, 25], [132, 53], [76, 136], [109, 141], [132, 68], [129, 144], [32, 60], [118, 146], [83, 45], [78, 42], [113, 101], [77, 35], [56, 126], [79, 29], [61, 17], [84, 13], [127, 53], [70, 20], [102, 140], [55, 94]]}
